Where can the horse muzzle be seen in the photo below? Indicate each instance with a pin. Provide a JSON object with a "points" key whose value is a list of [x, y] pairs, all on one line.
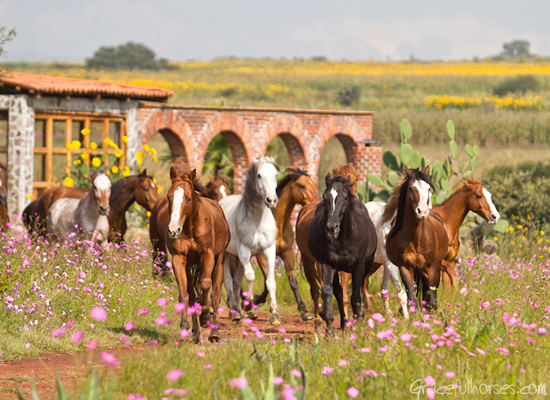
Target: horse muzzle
{"points": [[493, 219], [104, 210], [271, 202], [333, 232], [421, 215], [174, 234]]}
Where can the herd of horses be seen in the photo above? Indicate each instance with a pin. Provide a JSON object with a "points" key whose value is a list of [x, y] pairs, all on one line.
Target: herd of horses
{"points": [[212, 236]]}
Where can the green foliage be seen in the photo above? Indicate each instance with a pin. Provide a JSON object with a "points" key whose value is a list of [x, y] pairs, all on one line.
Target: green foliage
{"points": [[520, 84], [516, 48], [522, 191], [6, 35], [129, 56], [349, 95], [218, 158]]}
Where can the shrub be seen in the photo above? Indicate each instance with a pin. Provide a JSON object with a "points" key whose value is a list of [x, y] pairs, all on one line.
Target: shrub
{"points": [[522, 191], [127, 56], [519, 84], [349, 95]]}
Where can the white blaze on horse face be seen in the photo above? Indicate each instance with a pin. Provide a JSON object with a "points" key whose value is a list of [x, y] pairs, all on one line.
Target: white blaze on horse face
{"points": [[223, 192], [153, 185], [494, 211], [333, 193], [102, 184], [425, 198], [174, 223]]}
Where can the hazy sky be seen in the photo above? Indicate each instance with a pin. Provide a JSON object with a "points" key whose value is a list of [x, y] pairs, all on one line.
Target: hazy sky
{"points": [[71, 30]]}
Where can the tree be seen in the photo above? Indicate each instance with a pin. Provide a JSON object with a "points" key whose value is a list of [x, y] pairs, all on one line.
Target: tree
{"points": [[5, 36], [516, 48], [128, 56]]}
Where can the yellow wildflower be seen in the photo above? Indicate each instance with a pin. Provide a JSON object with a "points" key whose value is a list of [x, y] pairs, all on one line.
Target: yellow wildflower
{"points": [[118, 153], [148, 213], [93, 145], [85, 156], [126, 173], [542, 233], [114, 169], [85, 131], [68, 181], [155, 159], [76, 144], [495, 239], [125, 139], [146, 147], [76, 162], [96, 162], [69, 146], [158, 189], [137, 206], [30, 196]]}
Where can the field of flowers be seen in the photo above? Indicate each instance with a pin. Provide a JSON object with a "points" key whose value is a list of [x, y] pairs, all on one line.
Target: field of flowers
{"points": [[490, 336]]}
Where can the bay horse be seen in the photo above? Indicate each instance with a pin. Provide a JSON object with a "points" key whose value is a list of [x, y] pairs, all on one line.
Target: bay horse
{"points": [[342, 237], [197, 235], [417, 241], [137, 188], [253, 232], [312, 269], [85, 216], [218, 187], [4, 216], [296, 188]]}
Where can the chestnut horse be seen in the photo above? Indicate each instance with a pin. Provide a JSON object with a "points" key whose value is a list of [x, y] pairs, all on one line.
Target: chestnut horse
{"points": [[4, 216], [342, 237], [312, 270], [296, 188], [140, 188], [85, 216], [197, 235], [218, 187], [417, 242]]}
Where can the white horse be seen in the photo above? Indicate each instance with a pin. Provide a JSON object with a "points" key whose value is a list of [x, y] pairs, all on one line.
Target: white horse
{"points": [[87, 215], [253, 232]]}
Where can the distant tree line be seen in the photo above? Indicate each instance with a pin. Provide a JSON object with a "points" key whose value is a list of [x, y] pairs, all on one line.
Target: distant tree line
{"points": [[129, 56]]}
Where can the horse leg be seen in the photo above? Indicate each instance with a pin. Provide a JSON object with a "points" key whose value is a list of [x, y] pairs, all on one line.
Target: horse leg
{"points": [[179, 262], [327, 290], [311, 276], [216, 297], [359, 281], [446, 274], [208, 264], [193, 301], [339, 295], [288, 259], [345, 288], [244, 258], [392, 271], [260, 299], [407, 278], [449, 268], [228, 282], [269, 254], [430, 292]]}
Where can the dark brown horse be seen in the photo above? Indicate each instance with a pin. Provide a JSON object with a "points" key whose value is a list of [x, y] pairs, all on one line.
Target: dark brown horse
{"points": [[296, 188], [196, 235], [342, 237], [417, 242], [218, 187], [471, 196], [312, 270], [4, 216], [139, 188]]}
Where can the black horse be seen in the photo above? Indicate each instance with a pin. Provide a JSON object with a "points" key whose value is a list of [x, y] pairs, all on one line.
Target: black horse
{"points": [[342, 237]]}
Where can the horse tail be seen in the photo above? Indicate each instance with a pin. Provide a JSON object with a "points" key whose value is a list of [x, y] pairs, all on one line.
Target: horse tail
{"points": [[29, 216], [196, 273]]}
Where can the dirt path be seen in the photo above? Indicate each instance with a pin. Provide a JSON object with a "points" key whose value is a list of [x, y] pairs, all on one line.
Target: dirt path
{"points": [[73, 368]]}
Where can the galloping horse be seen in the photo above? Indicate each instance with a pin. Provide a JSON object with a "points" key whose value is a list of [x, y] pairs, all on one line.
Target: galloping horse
{"points": [[85, 216], [197, 235], [311, 269], [417, 242], [140, 188], [296, 188], [341, 237], [218, 187], [253, 232], [4, 216]]}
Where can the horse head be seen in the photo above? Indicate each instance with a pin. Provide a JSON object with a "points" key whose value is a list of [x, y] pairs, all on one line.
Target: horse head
{"points": [[303, 189], [349, 171], [101, 190], [146, 191], [336, 198], [263, 178], [180, 198], [219, 186], [418, 187], [480, 201]]}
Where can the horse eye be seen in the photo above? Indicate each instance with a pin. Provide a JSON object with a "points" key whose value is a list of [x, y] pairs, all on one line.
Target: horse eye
{"points": [[259, 176], [146, 190], [301, 186], [478, 196], [189, 199]]}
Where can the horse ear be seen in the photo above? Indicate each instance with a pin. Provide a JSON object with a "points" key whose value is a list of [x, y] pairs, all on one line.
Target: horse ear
{"points": [[193, 175], [173, 173], [144, 172], [427, 170], [291, 170], [328, 179], [350, 182], [408, 171], [152, 174]]}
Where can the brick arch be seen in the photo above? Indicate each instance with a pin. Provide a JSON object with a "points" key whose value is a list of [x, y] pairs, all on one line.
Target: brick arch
{"points": [[349, 132], [291, 130], [237, 134], [174, 129]]}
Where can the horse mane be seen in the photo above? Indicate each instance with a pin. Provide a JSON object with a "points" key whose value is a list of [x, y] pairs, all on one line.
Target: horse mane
{"points": [[290, 178], [116, 187], [249, 194], [466, 184], [401, 191], [346, 170]]}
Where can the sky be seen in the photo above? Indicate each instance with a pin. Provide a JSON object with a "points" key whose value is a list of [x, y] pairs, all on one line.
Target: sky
{"points": [[72, 30]]}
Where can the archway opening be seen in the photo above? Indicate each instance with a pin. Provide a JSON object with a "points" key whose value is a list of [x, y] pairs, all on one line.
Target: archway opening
{"points": [[332, 155]]}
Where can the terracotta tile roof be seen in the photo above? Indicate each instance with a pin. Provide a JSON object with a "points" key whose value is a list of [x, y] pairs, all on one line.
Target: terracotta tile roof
{"points": [[47, 85]]}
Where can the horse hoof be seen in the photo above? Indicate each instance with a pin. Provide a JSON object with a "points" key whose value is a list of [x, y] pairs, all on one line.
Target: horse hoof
{"points": [[275, 319], [205, 319], [214, 336], [259, 299], [184, 325], [307, 316], [197, 337], [236, 317], [319, 327], [251, 315]]}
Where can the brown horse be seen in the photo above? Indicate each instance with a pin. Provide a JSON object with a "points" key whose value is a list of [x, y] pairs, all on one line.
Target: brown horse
{"points": [[296, 188], [140, 188], [218, 187], [197, 235], [4, 216], [417, 242], [311, 270], [471, 196]]}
